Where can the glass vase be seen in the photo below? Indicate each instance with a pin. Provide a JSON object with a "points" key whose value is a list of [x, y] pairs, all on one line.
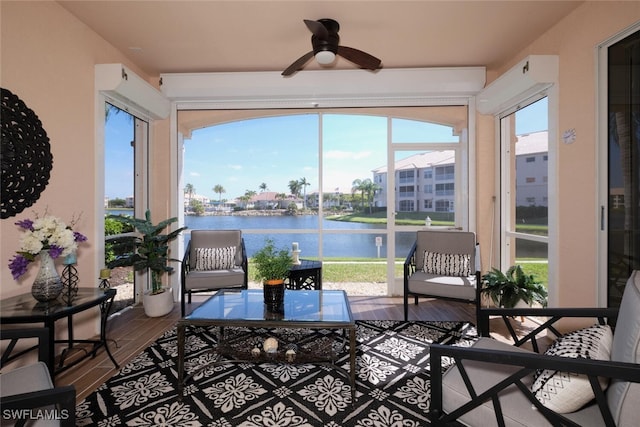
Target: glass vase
{"points": [[47, 286]]}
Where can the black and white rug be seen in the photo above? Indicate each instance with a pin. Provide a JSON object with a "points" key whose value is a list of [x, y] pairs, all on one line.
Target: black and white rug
{"points": [[392, 381]]}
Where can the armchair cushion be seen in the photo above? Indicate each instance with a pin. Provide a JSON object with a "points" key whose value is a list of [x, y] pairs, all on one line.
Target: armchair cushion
{"points": [[215, 239], [27, 390], [483, 375], [457, 287], [215, 258], [565, 392], [623, 396], [34, 377], [447, 264]]}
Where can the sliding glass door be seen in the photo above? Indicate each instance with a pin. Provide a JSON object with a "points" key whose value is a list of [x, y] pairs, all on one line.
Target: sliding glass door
{"points": [[623, 153]]}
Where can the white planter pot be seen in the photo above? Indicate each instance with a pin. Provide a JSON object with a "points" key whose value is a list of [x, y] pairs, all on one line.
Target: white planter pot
{"points": [[158, 305]]}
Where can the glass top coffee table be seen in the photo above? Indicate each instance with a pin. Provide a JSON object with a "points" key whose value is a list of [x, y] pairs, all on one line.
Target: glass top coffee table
{"points": [[314, 309]]}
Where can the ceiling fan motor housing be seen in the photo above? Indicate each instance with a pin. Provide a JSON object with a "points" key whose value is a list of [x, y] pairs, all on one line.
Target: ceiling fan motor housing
{"points": [[329, 40]]}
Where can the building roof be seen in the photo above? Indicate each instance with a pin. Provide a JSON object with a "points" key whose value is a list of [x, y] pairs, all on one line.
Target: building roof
{"points": [[534, 142], [421, 161], [530, 143]]}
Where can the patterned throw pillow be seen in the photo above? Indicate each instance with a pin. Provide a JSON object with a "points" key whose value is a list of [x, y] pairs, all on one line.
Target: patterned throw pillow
{"points": [[447, 264], [215, 258], [565, 392]]}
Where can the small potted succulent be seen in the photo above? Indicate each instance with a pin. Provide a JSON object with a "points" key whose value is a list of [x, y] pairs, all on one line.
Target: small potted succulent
{"points": [[150, 254], [508, 289], [272, 267]]}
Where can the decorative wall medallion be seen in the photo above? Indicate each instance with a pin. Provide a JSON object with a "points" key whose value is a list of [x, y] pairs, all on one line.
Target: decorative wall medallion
{"points": [[25, 156]]}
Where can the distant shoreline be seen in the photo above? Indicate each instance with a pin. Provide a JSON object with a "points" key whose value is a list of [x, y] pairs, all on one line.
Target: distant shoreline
{"points": [[270, 212]]}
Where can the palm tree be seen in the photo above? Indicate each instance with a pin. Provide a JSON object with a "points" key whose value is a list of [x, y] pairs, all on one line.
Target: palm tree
{"points": [[356, 186], [190, 190], [303, 183], [294, 187], [263, 187], [249, 194], [219, 189], [245, 200], [369, 188]]}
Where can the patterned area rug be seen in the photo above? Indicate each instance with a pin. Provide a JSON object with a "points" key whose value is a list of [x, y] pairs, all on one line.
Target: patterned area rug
{"points": [[392, 380]]}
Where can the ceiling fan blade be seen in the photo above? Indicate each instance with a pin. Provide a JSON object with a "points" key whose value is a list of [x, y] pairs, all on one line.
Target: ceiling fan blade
{"points": [[298, 64], [360, 58], [317, 28]]}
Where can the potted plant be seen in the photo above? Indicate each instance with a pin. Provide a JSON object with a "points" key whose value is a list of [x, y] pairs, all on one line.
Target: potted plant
{"points": [[151, 249], [272, 267], [507, 289]]}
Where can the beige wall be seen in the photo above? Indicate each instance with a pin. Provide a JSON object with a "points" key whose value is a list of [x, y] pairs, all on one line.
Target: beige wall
{"points": [[48, 58], [575, 40]]}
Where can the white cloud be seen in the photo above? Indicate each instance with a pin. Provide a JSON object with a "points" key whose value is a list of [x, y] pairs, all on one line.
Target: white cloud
{"points": [[347, 155], [235, 167], [194, 174]]}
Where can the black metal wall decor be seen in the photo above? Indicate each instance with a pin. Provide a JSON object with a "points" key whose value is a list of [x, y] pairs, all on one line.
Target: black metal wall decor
{"points": [[25, 156]]}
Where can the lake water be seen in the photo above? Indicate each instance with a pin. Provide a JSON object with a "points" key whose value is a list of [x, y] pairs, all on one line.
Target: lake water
{"points": [[335, 243]]}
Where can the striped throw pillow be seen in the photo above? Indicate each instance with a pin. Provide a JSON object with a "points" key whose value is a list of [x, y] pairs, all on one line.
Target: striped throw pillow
{"points": [[447, 264], [215, 258]]}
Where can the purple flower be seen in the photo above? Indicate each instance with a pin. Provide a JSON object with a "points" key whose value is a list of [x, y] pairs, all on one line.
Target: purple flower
{"points": [[79, 237], [55, 251], [18, 266], [27, 224]]}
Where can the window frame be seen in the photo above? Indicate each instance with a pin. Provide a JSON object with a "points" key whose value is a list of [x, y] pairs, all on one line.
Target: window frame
{"points": [[391, 88]]}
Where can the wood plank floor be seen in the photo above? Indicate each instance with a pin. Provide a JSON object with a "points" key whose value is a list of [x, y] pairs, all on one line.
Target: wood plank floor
{"points": [[130, 332]]}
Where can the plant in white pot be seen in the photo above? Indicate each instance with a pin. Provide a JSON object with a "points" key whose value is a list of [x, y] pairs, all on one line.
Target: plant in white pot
{"points": [[272, 267], [151, 253], [508, 289]]}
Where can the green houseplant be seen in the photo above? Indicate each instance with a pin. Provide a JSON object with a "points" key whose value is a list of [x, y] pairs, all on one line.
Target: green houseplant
{"points": [[272, 267], [272, 264], [507, 289], [151, 254]]}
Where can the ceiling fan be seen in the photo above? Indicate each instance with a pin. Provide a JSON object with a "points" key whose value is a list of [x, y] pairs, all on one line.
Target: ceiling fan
{"points": [[325, 42]]}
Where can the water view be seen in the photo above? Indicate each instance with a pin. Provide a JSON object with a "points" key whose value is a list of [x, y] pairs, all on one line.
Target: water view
{"points": [[334, 242]]}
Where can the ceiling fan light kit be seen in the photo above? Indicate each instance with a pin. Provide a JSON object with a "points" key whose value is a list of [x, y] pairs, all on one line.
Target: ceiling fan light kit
{"points": [[325, 57], [326, 46]]}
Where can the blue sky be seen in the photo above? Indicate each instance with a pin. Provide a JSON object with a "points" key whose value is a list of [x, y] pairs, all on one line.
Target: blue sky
{"points": [[242, 155], [275, 150], [118, 156]]}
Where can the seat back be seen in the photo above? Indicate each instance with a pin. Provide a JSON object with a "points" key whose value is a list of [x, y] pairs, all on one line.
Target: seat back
{"points": [[215, 239], [446, 242], [624, 397]]}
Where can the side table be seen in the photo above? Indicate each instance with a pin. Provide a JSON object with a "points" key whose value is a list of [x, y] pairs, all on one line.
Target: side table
{"points": [[23, 309], [305, 276]]}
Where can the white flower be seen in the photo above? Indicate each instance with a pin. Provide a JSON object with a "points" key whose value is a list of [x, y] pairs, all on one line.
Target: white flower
{"points": [[44, 233]]}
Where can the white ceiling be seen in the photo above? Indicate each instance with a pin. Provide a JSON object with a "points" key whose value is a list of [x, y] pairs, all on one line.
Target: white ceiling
{"points": [[237, 35]]}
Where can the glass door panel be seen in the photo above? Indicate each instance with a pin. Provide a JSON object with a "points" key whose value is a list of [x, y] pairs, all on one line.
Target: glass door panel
{"points": [[120, 194], [524, 181], [624, 164]]}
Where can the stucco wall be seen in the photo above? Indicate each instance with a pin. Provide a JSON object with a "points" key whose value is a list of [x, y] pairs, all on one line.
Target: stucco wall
{"points": [[48, 60], [575, 40]]}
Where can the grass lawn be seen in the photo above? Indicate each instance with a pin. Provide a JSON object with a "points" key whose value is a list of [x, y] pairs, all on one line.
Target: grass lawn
{"points": [[375, 270]]}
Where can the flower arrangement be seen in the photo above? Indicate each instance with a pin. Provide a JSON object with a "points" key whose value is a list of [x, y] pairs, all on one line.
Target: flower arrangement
{"points": [[44, 233]]}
